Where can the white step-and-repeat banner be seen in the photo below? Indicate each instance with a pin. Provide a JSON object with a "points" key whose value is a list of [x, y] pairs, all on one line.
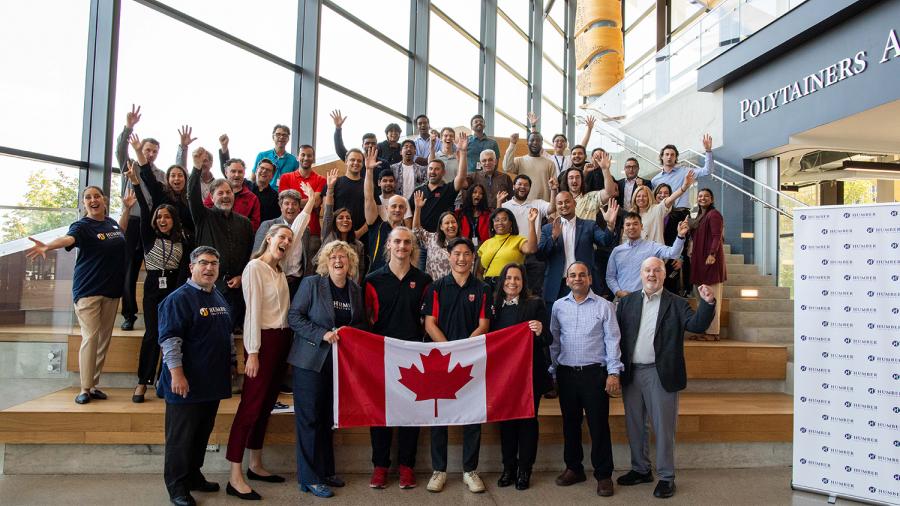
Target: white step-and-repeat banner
{"points": [[847, 351]]}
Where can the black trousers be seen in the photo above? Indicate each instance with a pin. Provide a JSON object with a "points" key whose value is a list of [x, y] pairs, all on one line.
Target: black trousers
{"points": [[471, 447], [582, 393], [148, 360], [534, 270], [188, 427], [680, 285], [407, 443], [519, 440], [133, 261]]}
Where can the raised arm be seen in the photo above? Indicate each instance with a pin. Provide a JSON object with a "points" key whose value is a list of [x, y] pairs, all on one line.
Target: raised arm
{"points": [[195, 196], [509, 158], [339, 147], [531, 245], [707, 159], [328, 204], [554, 190], [131, 119], [128, 201], [688, 181], [224, 155], [589, 127], [419, 201], [185, 140], [370, 208], [610, 188], [462, 146]]}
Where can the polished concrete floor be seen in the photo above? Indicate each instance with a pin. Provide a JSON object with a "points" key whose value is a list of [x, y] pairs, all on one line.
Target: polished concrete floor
{"points": [[732, 487]]}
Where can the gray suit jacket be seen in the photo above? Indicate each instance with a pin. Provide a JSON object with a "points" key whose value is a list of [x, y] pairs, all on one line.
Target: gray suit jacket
{"points": [[312, 315]]}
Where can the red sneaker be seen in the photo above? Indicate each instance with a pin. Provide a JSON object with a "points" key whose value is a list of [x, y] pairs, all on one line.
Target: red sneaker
{"points": [[407, 477], [379, 478]]}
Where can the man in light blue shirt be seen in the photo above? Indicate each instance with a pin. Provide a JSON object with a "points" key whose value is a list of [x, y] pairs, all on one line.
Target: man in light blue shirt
{"points": [[623, 272], [423, 140], [478, 142], [674, 176], [586, 363]]}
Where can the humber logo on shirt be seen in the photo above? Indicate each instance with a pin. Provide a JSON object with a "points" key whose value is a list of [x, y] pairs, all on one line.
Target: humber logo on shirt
{"points": [[215, 310]]}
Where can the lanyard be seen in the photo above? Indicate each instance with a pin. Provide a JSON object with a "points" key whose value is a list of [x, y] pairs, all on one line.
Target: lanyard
{"points": [[559, 163], [167, 256]]}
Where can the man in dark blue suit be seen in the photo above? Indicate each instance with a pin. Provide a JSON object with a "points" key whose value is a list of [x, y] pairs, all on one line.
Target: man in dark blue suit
{"points": [[568, 239]]}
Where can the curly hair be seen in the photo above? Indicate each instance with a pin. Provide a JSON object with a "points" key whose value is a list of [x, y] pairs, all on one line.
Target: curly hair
{"points": [[328, 249]]}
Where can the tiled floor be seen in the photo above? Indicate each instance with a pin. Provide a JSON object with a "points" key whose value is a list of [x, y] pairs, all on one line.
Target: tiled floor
{"points": [[732, 487]]}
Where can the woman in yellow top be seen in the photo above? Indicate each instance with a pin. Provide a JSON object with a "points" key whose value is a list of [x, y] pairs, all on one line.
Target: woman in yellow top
{"points": [[505, 245]]}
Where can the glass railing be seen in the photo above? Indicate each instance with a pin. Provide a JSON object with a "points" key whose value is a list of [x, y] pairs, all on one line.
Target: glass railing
{"points": [[674, 68]]}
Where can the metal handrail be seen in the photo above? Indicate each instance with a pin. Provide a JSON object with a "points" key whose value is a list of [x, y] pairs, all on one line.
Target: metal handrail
{"points": [[748, 178]]}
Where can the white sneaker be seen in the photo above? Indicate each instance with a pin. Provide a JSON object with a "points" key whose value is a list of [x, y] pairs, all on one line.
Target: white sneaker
{"points": [[473, 481], [437, 481]]}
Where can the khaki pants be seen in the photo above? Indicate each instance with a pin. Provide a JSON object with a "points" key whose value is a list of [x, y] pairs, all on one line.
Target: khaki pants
{"points": [[96, 315], [717, 290]]}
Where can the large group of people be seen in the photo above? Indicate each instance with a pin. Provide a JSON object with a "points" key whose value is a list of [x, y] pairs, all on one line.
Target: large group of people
{"points": [[421, 239]]}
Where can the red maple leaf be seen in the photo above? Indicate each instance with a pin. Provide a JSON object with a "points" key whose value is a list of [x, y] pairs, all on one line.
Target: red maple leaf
{"points": [[435, 382]]}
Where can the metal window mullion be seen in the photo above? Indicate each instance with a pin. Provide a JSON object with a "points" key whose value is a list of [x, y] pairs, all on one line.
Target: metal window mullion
{"points": [[100, 94], [536, 58], [309, 22], [488, 77], [419, 35], [569, 99]]}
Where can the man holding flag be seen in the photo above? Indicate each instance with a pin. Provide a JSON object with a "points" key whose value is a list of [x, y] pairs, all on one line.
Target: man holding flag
{"points": [[393, 301], [455, 307]]}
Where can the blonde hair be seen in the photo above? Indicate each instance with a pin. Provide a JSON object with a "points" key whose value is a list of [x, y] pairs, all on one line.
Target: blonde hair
{"points": [[331, 247], [650, 199], [270, 234], [413, 256]]}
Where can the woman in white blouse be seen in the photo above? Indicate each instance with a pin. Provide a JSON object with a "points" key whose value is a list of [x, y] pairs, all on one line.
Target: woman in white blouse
{"points": [[267, 341], [653, 213]]}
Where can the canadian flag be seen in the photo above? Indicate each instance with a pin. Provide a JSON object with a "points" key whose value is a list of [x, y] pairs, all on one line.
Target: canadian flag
{"points": [[382, 381]]}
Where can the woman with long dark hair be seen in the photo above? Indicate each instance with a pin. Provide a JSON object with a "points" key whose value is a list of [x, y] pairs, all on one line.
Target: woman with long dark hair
{"points": [[173, 192], [166, 252], [513, 304], [437, 260], [337, 224], [267, 340], [97, 282], [474, 215], [708, 254]]}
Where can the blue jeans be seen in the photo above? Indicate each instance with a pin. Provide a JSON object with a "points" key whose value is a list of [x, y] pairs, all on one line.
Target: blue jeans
{"points": [[313, 421]]}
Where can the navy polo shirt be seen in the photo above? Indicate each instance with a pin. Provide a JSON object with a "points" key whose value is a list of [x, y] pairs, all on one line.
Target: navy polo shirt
{"points": [[457, 309], [100, 265], [436, 202], [203, 322], [395, 303]]}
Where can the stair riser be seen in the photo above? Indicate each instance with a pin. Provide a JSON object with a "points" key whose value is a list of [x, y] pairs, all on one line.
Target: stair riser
{"points": [[749, 279], [762, 319], [774, 335], [733, 291]]}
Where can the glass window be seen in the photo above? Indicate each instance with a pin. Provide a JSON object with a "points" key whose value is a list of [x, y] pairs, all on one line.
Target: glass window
{"points": [[558, 13], [390, 17], [453, 54], [682, 10], [273, 28], [551, 120], [503, 127], [554, 44], [512, 95], [465, 14], [640, 39], [512, 47], [553, 83], [448, 106], [345, 62], [50, 189], [42, 90], [245, 104], [635, 9], [361, 119], [518, 10]]}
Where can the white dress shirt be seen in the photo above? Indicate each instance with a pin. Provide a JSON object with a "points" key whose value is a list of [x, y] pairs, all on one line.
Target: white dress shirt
{"points": [[644, 352], [568, 237]]}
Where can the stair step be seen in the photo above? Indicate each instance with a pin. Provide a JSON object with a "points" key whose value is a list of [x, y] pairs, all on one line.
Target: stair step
{"points": [[733, 258], [35, 333], [726, 248], [754, 319], [750, 279], [734, 291], [775, 335], [735, 269], [760, 305]]}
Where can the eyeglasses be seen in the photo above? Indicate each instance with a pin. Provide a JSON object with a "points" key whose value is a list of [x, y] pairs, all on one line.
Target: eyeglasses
{"points": [[205, 263], [282, 135]]}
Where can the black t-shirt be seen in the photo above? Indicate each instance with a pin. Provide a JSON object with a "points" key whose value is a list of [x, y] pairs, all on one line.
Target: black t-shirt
{"points": [[340, 297], [396, 303], [377, 239], [349, 193], [100, 265], [268, 202], [436, 202], [456, 308]]}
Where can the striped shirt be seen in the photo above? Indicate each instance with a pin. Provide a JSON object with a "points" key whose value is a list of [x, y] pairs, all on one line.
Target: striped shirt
{"points": [[164, 255]]}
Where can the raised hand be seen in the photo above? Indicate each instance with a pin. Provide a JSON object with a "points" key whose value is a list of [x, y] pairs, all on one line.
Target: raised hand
{"points": [[707, 142], [135, 142], [131, 173], [589, 122], [129, 199], [133, 117], [706, 294], [611, 213], [532, 215], [602, 160], [683, 228], [462, 141], [197, 157], [332, 177], [689, 179], [553, 183], [513, 139], [223, 142], [433, 138], [307, 190], [185, 134], [39, 249], [556, 227], [419, 199], [501, 197], [337, 118], [533, 119]]}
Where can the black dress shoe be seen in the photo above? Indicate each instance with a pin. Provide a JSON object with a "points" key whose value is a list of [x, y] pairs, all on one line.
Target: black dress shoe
{"points": [[183, 500], [507, 477], [137, 398], [272, 478], [333, 481], [205, 486], [664, 489], [128, 324], [249, 496], [98, 394], [634, 478], [523, 479], [570, 477], [83, 398]]}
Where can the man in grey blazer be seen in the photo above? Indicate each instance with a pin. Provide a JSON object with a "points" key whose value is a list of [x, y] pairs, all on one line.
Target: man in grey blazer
{"points": [[652, 322]]}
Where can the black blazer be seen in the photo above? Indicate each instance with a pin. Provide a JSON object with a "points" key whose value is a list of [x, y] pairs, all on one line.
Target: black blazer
{"points": [[312, 315], [535, 309], [675, 315]]}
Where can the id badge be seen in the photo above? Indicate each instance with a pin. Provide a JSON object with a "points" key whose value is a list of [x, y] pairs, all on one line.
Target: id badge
{"points": [[163, 282]]}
